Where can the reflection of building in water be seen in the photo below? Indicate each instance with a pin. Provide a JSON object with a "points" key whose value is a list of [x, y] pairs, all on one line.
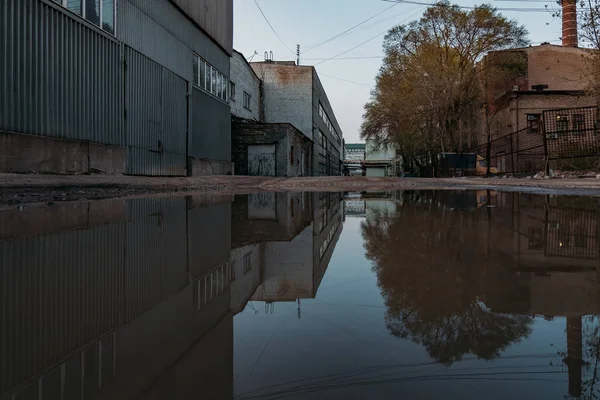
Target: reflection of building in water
{"points": [[108, 311], [552, 244], [372, 204], [282, 245]]}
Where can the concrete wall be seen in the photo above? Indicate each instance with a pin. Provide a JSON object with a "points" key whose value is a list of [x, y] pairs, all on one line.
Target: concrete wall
{"points": [[287, 93], [291, 147], [245, 80]]}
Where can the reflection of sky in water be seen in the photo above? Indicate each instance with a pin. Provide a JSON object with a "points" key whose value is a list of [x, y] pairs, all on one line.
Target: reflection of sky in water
{"points": [[341, 346]]}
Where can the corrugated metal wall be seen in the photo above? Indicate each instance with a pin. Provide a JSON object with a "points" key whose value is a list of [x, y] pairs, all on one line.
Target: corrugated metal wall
{"points": [[157, 29], [58, 77], [61, 291], [157, 253], [156, 125], [214, 16], [58, 292], [67, 80], [210, 130]]}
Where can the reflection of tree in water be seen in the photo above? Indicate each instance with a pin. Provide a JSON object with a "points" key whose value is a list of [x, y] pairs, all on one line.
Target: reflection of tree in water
{"points": [[433, 268]]}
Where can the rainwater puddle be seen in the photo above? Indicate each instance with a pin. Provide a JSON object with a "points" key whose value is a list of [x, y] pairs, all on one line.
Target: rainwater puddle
{"points": [[416, 295]]}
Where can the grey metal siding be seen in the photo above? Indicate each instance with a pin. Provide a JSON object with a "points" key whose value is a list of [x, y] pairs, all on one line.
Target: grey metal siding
{"points": [[58, 77], [156, 125], [209, 238], [210, 130], [157, 29], [58, 292], [156, 261], [214, 16]]}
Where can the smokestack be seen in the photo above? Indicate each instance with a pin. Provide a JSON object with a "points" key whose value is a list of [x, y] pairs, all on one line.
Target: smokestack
{"points": [[569, 23]]}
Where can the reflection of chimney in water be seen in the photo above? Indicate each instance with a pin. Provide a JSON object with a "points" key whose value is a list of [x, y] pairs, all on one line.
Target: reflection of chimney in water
{"points": [[569, 23], [574, 355]]}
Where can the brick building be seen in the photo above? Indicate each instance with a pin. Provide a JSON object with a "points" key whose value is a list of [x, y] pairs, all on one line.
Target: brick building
{"points": [[542, 78], [294, 94], [259, 148]]}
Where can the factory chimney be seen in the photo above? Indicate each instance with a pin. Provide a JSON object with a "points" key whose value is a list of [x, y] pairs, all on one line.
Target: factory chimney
{"points": [[569, 23]]}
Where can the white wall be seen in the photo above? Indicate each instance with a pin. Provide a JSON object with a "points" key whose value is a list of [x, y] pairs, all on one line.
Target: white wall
{"points": [[245, 80]]}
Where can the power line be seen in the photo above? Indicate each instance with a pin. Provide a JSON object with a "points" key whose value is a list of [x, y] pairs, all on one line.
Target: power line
{"points": [[517, 9], [273, 29], [366, 41], [352, 28], [345, 58], [345, 80]]}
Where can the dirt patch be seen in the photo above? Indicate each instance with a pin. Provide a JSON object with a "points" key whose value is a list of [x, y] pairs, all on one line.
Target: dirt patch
{"points": [[21, 189]]}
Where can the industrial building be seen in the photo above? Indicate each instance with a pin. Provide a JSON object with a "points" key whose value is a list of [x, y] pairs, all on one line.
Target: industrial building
{"points": [[116, 86], [260, 148], [294, 94]]}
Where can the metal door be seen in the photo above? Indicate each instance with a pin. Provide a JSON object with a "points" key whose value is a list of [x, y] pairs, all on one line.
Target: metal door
{"points": [[261, 160]]}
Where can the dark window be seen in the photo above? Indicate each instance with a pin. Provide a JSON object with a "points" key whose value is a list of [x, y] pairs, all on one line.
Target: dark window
{"points": [[232, 91], [75, 6], [535, 238], [578, 123], [108, 16], [247, 99], [92, 11], [533, 123], [247, 263]]}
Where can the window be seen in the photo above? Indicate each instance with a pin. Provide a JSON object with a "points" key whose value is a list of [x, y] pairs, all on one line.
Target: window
{"points": [[232, 91], [562, 123], [246, 102], [247, 263], [328, 123], [533, 123], [98, 12], [208, 78], [578, 123]]}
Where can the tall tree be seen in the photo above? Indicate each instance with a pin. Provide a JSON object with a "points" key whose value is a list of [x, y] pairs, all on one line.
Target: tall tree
{"points": [[428, 95]]}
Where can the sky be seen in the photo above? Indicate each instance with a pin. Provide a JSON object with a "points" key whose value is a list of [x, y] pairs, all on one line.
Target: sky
{"points": [[349, 78]]}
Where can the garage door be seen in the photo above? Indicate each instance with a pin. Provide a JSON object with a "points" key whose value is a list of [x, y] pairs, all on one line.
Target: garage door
{"points": [[261, 160]]}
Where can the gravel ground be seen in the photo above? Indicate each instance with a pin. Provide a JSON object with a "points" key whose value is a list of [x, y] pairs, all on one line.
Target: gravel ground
{"points": [[18, 189]]}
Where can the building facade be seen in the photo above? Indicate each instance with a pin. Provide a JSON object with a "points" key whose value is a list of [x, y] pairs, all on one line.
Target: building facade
{"points": [[355, 152], [550, 77], [381, 160], [116, 86], [294, 94], [244, 90]]}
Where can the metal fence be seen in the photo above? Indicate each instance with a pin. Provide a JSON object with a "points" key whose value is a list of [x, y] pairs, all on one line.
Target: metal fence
{"points": [[520, 151], [560, 135], [572, 133]]}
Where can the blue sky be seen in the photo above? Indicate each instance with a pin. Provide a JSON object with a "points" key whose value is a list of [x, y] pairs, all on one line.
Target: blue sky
{"points": [[348, 82]]}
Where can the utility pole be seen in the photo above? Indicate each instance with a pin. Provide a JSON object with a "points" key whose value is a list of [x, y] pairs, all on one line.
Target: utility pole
{"points": [[298, 54]]}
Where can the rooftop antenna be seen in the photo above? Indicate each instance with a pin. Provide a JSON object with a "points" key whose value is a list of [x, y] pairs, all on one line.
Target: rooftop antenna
{"points": [[253, 55], [297, 54]]}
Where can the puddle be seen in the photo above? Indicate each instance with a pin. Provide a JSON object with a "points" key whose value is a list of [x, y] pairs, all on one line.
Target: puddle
{"points": [[431, 294]]}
